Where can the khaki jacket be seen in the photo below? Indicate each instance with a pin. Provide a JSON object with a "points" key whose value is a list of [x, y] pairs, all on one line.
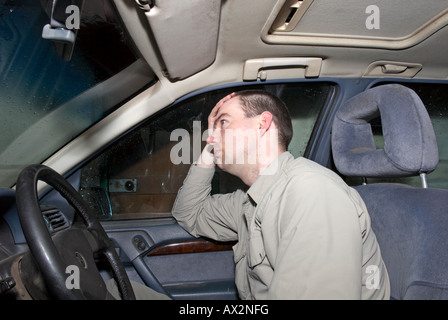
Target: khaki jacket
{"points": [[302, 233]]}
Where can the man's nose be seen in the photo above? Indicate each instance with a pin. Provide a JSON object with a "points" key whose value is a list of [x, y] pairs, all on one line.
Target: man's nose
{"points": [[213, 138], [210, 140]]}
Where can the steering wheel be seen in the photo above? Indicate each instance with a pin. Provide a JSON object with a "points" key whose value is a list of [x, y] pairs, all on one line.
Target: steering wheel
{"points": [[70, 249]]}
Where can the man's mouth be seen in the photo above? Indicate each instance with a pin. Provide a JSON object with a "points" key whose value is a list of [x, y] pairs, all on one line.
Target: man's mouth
{"points": [[216, 153]]}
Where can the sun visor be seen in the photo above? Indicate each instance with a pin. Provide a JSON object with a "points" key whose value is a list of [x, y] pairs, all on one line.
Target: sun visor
{"points": [[186, 33]]}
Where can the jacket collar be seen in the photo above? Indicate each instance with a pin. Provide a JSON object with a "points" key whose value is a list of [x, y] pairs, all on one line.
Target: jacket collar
{"points": [[269, 176]]}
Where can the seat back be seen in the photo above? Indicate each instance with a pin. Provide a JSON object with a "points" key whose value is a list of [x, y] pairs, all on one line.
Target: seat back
{"points": [[410, 223]]}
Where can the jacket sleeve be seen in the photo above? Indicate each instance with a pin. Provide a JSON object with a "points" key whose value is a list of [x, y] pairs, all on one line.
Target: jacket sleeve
{"points": [[319, 251], [202, 214]]}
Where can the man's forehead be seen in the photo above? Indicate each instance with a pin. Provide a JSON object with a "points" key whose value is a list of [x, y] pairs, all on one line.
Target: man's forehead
{"points": [[232, 107]]}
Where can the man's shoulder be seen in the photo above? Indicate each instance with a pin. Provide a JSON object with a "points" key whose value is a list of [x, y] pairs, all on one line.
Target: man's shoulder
{"points": [[301, 165], [306, 170]]}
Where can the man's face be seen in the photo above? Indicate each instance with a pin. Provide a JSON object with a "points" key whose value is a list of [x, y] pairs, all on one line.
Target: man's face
{"points": [[234, 137]]}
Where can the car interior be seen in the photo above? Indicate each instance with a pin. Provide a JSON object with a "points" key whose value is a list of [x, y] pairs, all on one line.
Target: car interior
{"points": [[98, 97]]}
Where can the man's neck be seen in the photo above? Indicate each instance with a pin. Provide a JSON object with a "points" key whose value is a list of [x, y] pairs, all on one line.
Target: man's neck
{"points": [[250, 174]]}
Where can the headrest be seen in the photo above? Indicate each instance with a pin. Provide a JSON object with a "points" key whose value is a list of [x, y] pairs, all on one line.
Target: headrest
{"points": [[410, 145]]}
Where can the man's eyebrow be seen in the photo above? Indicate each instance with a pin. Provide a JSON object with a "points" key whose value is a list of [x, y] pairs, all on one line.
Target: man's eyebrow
{"points": [[219, 118]]}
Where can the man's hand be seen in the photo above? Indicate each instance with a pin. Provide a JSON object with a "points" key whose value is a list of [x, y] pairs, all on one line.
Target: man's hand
{"points": [[215, 112], [207, 160]]}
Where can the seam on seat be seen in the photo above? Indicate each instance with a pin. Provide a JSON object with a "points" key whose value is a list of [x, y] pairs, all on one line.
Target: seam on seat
{"points": [[423, 283]]}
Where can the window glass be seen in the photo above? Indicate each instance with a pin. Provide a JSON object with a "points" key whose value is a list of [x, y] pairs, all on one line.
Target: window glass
{"points": [[45, 101], [435, 99], [136, 177]]}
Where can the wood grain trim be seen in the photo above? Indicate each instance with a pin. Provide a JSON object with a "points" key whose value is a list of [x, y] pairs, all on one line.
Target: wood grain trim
{"points": [[193, 246]]}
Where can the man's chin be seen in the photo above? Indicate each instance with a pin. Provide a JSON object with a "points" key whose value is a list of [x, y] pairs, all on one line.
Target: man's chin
{"points": [[222, 164], [231, 168], [219, 164]]}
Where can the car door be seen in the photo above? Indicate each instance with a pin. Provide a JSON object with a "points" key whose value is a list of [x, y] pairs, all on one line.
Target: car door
{"points": [[133, 183]]}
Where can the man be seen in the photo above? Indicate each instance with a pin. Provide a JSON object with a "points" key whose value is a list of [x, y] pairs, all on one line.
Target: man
{"points": [[302, 232]]}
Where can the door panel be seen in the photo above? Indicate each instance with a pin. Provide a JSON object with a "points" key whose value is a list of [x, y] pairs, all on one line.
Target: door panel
{"points": [[205, 275], [166, 258]]}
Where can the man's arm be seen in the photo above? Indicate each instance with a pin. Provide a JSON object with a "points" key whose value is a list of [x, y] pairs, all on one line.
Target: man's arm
{"points": [[201, 214]]}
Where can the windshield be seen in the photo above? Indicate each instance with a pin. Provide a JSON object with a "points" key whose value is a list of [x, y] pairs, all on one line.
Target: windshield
{"points": [[45, 100]]}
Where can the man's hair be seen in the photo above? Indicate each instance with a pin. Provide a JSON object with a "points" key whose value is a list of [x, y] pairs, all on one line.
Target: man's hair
{"points": [[255, 102]]}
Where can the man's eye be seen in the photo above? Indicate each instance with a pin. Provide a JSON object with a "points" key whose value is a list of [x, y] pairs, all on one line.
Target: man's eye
{"points": [[223, 122]]}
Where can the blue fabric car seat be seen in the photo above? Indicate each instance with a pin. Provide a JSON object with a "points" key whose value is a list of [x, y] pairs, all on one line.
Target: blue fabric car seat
{"points": [[410, 223]]}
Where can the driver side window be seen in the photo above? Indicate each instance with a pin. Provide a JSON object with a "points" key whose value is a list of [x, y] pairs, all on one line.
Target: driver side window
{"points": [[139, 175]]}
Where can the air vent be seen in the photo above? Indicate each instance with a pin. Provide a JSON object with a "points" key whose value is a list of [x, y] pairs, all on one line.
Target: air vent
{"points": [[55, 220]]}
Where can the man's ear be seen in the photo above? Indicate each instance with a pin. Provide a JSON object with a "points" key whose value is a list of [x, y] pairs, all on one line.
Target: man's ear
{"points": [[265, 121]]}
